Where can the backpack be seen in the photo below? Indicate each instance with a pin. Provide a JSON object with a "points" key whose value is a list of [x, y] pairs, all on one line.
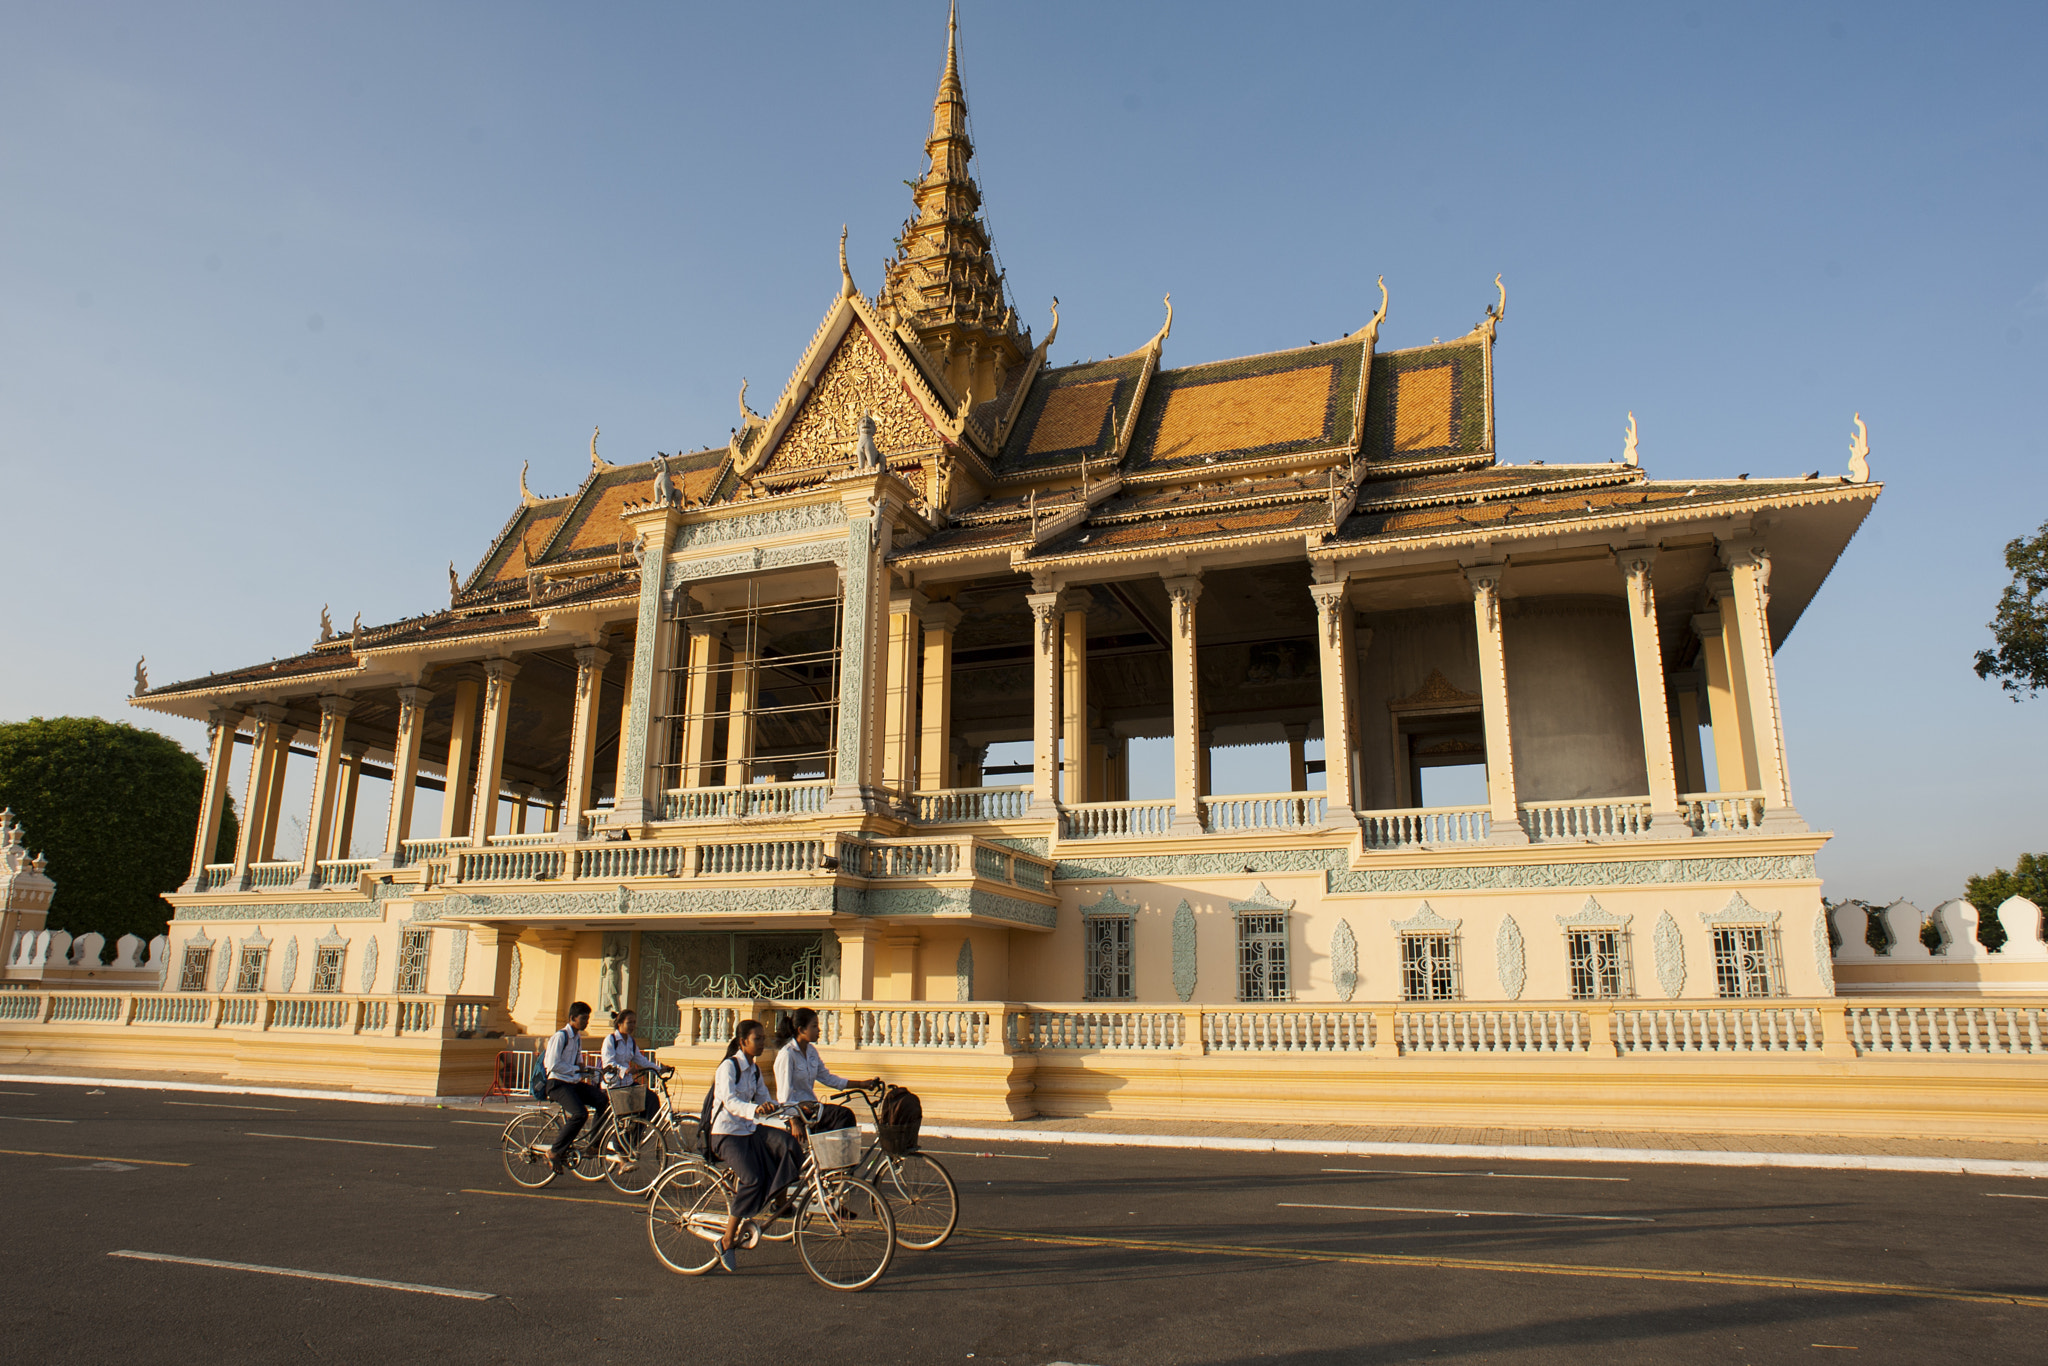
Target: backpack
{"points": [[897, 1122], [539, 1086], [709, 1108]]}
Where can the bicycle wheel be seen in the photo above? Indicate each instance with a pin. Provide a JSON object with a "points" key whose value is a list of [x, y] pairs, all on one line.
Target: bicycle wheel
{"points": [[588, 1155], [524, 1145], [922, 1197], [848, 1239], [634, 1158], [686, 1216]]}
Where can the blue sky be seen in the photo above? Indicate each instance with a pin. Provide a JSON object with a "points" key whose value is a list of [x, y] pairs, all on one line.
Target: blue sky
{"points": [[287, 294]]}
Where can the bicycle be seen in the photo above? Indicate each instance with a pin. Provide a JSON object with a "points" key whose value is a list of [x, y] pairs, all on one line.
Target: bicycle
{"points": [[919, 1189], [630, 1152], [844, 1231]]}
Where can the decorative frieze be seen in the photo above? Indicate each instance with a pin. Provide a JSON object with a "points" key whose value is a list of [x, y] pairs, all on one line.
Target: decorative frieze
{"points": [[1669, 947], [1525, 876], [1184, 966], [757, 526], [1343, 960], [1510, 958]]}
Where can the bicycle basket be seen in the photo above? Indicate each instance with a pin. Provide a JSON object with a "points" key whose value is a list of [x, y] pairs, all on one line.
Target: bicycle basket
{"points": [[626, 1101], [897, 1139], [836, 1148]]}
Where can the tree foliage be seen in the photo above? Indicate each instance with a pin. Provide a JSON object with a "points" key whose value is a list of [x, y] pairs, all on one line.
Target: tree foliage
{"points": [[113, 807], [1987, 892], [2020, 663]]}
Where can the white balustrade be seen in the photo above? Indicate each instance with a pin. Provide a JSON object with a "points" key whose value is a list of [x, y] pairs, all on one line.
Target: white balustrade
{"points": [[100, 1007], [273, 874], [1116, 820], [320, 1012], [960, 805], [1492, 1031], [241, 1012], [739, 803], [20, 1005], [1722, 813], [946, 1027], [1118, 1030], [1412, 827], [1609, 819], [609, 861], [169, 1009], [1288, 1030], [214, 876], [1975, 1028], [1264, 811], [1718, 1029], [509, 865], [991, 862], [763, 856], [523, 841], [423, 851], [341, 872]]}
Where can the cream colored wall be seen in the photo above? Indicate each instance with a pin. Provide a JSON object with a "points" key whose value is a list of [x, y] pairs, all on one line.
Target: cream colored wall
{"points": [[1572, 699], [1405, 648]]}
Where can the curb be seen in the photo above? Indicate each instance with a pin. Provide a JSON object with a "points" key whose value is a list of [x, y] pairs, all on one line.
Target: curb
{"points": [[1671, 1157]]}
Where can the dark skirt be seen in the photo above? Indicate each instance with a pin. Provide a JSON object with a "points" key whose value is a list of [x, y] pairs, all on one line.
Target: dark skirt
{"points": [[831, 1117], [765, 1161]]}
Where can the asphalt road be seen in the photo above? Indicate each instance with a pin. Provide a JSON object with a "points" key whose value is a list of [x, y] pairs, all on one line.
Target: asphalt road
{"points": [[1104, 1256]]}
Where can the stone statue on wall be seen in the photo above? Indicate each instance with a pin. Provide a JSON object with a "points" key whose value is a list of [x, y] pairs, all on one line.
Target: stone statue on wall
{"points": [[611, 981], [867, 456]]}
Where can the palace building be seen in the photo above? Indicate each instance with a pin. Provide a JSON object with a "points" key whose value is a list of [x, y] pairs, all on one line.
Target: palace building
{"points": [[715, 728]]}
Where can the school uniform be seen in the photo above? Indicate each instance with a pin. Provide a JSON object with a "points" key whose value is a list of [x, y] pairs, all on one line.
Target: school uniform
{"points": [[765, 1159], [798, 1070]]}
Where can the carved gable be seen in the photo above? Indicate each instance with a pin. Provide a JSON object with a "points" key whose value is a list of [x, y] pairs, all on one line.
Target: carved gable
{"points": [[858, 379]]}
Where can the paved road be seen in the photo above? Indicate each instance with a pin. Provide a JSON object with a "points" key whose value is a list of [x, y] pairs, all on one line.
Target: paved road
{"points": [[1082, 1255]]}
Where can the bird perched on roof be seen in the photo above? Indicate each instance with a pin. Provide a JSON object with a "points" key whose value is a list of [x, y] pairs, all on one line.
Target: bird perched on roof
{"points": [[1743, 475]]}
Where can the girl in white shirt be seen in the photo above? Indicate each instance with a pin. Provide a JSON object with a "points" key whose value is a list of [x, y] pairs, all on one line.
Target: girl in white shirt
{"points": [[798, 1070], [766, 1160]]}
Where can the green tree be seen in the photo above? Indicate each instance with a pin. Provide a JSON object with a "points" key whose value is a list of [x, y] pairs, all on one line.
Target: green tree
{"points": [[1987, 892], [113, 806], [2020, 663]]}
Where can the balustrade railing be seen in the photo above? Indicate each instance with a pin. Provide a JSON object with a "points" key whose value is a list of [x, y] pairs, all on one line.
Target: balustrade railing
{"points": [[1264, 811], [20, 1005], [632, 860], [884, 1026], [763, 856], [298, 1012], [341, 872], [171, 1009], [1722, 813], [959, 805], [509, 865], [524, 841], [1718, 1029], [1292, 1030], [739, 803], [1122, 1030], [1116, 820], [1979, 1028], [376, 1016], [422, 851], [214, 876], [905, 860], [992, 863], [1492, 1031], [273, 874], [467, 1017], [241, 1012], [1607, 819], [99, 1007], [417, 1017], [1410, 827]]}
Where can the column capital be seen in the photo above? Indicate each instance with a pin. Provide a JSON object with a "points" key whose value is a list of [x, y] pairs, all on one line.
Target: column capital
{"points": [[939, 616], [1636, 559], [334, 705], [1747, 549], [1331, 600], [1720, 585], [1045, 611], [1184, 591], [415, 695], [1707, 625], [906, 600], [592, 656], [267, 713], [355, 749], [224, 716], [500, 668]]}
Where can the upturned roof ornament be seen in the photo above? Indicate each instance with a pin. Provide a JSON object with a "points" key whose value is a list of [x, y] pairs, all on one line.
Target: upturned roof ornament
{"points": [[597, 462], [454, 584], [141, 675], [326, 625], [1494, 312], [1859, 453], [1629, 455], [1370, 333], [846, 285], [526, 495], [1046, 345]]}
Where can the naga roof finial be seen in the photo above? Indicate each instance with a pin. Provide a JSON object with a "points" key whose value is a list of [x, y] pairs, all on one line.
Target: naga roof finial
{"points": [[1047, 343], [526, 496], [142, 675], [326, 624], [1370, 333], [597, 462], [1494, 312], [1159, 337], [1859, 453], [1629, 455], [846, 284]]}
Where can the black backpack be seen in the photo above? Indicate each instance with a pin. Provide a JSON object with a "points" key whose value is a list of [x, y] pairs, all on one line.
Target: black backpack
{"points": [[710, 1108], [897, 1122]]}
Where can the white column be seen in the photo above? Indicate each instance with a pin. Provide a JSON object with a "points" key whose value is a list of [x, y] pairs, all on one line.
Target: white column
{"points": [[582, 773], [1732, 771], [1637, 565], [697, 695], [1485, 580], [269, 718], [1685, 707], [220, 756], [1182, 593], [455, 796], [326, 783], [1045, 694], [347, 787], [739, 715], [1333, 641], [490, 760], [636, 791], [1074, 787], [935, 716], [899, 724], [405, 769], [1749, 569]]}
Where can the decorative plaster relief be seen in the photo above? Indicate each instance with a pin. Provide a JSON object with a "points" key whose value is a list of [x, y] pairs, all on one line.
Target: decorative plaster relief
{"points": [[288, 971], [283, 910], [1025, 846], [756, 526], [369, 967], [857, 609], [1624, 873], [1510, 961], [1111, 904], [623, 900], [1823, 956], [758, 558], [1425, 920], [1670, 951], [1343, 961], [1739, 912], [1010, 908], [611, 972], [512, 988], [1184, 951], [1082, 868], [458, 960], [1592, 916], [257, 940], [963, 972], [1260, 902], [220, 967]]}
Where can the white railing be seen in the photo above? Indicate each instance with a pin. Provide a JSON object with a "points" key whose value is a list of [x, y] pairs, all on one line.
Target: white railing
{"points": [[216, 875], [960, 805], [1612, 818], [509, 865], [1722, 813], [340, 872], [1492, 1031], [597, 818], [252, 1011], [100, 1007], [273, 874], [169, 1009], [1122, 1030], [1409, 827], [422, 851], [1115, 820], [1718, 1029], [1289, 1029], [949, 1027], [1947, 1029], [739, 803], [632, 860], [525, 841], [20, 1005], [764, 856], [1264, 811]]}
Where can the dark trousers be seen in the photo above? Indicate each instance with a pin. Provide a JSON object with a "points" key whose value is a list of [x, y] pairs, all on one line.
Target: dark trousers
{"points": [[577, 1099], [831, 1117], [765, 1161]]}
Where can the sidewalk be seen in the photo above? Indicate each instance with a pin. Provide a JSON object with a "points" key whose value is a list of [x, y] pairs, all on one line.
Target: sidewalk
{"points": [[1866, 1152]]}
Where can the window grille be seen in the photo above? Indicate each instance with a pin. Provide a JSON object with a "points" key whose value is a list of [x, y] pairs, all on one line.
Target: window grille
{"points": [[1600, 966], [192, 977], [412, 961], [327, 968], [1109, 957], [1262, 957], [773, 671], [1429, 967], [249, 971], [1746, 961]]}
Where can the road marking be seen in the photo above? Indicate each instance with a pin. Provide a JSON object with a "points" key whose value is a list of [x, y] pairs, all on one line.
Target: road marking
{"points": [[441, 1290], [359, 1142], [1624, 1273], [91, 1157], [207, 1105], [1468, 1213], [1835, 1346], [1020, 1157], [2011, 1195], [20, 1093], [1498, 1176], [481, 1123], [31, 1119], [569, 1199], [108, 1166]]}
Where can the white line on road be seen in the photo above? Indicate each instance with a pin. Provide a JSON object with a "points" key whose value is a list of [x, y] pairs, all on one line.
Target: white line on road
{"points": [[208, 1105], [359, 1142], [307, 1275], [480, 1123], [2012, 1195], [1499, 1176], [1468, 1213], [1020, 1157], [19, 1093], [31, 1119]]}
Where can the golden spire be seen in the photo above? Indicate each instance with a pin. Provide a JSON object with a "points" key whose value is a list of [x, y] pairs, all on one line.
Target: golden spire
{"points": [[943, 285]]}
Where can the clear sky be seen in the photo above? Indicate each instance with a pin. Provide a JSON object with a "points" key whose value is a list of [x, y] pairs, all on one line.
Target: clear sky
{"points": [[288, 293]]}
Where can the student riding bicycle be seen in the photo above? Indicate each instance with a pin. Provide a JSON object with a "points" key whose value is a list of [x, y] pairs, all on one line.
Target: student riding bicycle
{"points": [[798, 1069], [626, 1065], [765, 1159], [568, 1086]]}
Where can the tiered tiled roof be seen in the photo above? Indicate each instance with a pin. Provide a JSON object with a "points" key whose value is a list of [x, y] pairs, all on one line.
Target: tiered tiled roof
{"points": [[1288, 405]]}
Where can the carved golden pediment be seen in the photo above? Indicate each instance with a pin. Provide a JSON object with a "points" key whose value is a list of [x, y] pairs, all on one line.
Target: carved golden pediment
{"points": [[858, 379], [1436, 691]]}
